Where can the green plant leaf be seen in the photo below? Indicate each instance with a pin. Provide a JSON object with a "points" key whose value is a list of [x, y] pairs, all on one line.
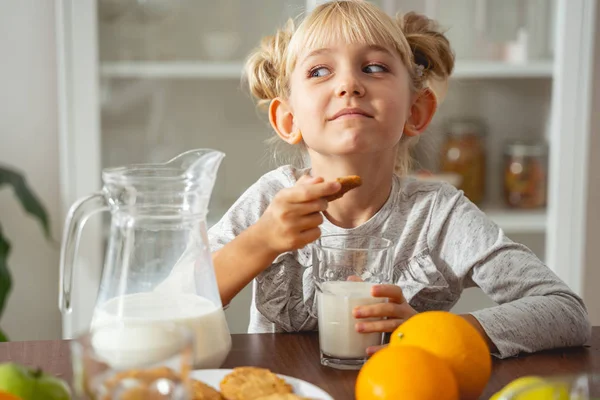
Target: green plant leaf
{"points": [[3, 337], [5, 279], [26, 196]]}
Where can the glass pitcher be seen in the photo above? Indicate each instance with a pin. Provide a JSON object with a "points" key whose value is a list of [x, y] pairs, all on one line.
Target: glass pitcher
{"points": [[158, 266]]}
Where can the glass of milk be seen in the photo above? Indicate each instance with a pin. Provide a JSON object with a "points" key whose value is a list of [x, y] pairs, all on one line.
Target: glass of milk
{"points": [[345, 268], [118, 360]]}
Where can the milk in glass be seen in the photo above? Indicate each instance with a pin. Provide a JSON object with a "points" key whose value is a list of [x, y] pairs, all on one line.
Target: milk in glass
{"points": [[337, 333]]}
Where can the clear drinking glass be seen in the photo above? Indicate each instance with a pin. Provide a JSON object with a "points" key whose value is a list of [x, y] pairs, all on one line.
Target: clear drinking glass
{"points": [[565, 387], [124, 361], [345, 267]]}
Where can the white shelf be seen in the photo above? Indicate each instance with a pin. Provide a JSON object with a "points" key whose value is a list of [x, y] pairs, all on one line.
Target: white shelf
{"points": [[171, 70], [518, 221], [233, 70], [497, 70]]}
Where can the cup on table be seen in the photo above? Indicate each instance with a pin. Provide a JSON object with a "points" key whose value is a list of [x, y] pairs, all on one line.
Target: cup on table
{"points": [[584, 386], [125, 361], [345, 268]]}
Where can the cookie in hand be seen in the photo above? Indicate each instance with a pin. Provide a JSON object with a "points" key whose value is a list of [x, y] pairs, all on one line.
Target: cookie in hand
{"points": [[348, 183]]}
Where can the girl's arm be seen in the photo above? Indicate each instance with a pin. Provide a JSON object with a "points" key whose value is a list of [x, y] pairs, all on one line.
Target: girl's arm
{"points": [[240, 261], [473, 321], [290, 222], [536, 309]]}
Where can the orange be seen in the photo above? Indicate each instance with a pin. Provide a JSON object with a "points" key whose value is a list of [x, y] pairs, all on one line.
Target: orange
{"points": [[8, 396], [406, 373], [456, 342]]}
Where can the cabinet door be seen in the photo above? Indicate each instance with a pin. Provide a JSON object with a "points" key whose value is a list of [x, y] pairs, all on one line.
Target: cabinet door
{"points": [[149, 50], [187, 30], [142, 81]]}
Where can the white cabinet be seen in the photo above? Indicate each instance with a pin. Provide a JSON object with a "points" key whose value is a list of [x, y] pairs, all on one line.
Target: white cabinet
{"points": [[145, 80]]}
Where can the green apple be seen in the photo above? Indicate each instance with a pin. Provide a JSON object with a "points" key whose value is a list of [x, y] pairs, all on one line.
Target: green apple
{"points": [[31, 384]]}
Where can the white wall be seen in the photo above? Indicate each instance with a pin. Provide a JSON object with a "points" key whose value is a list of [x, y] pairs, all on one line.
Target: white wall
{"points": [[28, 141], [591, 294]]}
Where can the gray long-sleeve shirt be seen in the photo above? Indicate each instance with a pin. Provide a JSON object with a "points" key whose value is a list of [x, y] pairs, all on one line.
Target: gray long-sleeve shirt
{"points": [[443, 244]]}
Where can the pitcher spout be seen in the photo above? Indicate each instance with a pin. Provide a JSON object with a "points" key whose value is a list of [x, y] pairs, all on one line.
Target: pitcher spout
{"points": [[200, 167], [181, 186]]}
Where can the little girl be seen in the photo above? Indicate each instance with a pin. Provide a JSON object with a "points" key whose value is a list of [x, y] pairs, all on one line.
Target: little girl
{"points": [[351, 88]]}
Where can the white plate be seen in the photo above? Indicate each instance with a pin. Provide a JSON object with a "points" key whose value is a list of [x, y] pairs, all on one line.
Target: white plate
{"points": [[213, 377]]}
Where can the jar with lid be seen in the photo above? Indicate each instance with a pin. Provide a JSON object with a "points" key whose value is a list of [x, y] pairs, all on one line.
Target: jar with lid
{"points": [[463, 153], [525, 174]]}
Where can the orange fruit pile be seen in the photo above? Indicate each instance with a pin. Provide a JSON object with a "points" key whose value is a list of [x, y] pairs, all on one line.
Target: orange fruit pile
{"points": [[408, 373], [433, 355]]}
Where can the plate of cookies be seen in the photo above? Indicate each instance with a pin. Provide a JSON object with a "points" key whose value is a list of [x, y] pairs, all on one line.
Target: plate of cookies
{"points": [[251, 383]]}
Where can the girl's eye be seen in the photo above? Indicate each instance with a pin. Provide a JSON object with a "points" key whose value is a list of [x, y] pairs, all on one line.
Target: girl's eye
{"points": [[373, 68], [318, 72]]}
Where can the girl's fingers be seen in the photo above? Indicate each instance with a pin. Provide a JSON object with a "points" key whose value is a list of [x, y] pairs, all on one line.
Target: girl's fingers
{"points": [[380, 310], [309, 192], [384, 325], [307, 179], [393, 292], [354, 278], [374, 349], [309, 207], [310, 235], [309, 222]]}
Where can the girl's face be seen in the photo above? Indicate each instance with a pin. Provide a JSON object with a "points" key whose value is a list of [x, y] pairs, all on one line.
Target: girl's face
{"points": [[349, 99]]}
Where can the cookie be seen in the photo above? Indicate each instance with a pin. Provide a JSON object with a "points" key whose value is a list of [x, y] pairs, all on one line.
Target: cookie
{"points": [[201, 391], [136, 393], [348, 183], [146, 376], [251, 383], [287, 396], [134, 384]]}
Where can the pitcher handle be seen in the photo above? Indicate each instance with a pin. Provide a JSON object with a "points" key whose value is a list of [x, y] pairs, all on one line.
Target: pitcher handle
{"points": [[76, 219]]}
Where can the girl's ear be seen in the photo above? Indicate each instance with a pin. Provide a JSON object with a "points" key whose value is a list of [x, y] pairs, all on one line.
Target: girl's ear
{"points": [[421, 113], [282, 121]]}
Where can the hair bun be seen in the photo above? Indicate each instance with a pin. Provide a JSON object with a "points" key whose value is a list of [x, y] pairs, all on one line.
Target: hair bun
{"points": [[430, 47], [265, 65]]}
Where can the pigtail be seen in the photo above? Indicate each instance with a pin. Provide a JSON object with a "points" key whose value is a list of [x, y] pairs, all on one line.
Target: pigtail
{"points": [[264, 69], [430, 48], [433, 60]]}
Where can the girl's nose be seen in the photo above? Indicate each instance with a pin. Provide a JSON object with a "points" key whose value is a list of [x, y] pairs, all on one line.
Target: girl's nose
{"points": [[350, 86]]}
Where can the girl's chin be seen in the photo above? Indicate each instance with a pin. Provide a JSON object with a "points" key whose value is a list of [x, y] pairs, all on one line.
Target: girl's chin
{"points": [[361, 145], [359, 151], [355, 142]]}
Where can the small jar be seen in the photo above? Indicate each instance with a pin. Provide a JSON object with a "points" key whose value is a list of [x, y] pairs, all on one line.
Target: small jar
{"points": [[464, 153], [525, 174]]}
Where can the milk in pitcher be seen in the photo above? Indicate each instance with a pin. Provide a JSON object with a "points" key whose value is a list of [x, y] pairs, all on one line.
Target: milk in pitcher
{"points": [[144, 345]]}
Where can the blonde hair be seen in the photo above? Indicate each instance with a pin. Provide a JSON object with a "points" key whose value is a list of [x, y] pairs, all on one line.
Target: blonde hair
{"points": [[416, 39]]}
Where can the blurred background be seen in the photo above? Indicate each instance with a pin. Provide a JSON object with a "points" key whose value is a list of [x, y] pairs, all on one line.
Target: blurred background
{"points": [[90, 84]]}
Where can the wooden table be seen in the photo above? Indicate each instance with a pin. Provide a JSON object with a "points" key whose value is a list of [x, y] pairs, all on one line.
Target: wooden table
{"points": [[297, 355]]}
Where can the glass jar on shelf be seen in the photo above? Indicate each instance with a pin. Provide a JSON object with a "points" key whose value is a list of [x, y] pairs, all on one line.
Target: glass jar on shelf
{"points": [[525, 174], [463, 153]]}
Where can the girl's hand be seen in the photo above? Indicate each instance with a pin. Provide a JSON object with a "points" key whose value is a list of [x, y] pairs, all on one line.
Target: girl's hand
{"points": [[396, 311], [292, 219]]}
